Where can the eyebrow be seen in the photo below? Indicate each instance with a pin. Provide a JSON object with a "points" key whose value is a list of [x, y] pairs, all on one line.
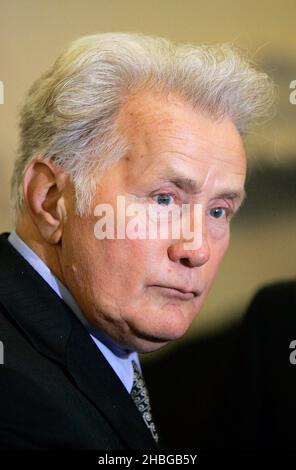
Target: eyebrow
{"points": [[191, 186], [186, 184], [233, 195]]}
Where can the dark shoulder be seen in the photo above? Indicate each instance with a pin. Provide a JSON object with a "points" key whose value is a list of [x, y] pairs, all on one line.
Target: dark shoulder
{"points": [[280, 294], [272, 311]]}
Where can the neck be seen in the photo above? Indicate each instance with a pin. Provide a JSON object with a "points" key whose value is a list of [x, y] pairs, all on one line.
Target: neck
{"points": [[50, 254]]}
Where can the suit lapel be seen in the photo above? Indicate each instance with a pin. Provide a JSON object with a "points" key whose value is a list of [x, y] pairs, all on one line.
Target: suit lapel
{"points": [[97, 380], [55, 332]]}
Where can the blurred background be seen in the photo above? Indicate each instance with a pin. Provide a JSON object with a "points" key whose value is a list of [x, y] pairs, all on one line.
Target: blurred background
{"points": [[263, 247]]}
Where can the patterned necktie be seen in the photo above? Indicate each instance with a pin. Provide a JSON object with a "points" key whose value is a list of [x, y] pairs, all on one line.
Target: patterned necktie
{"points": [[140, 396]]}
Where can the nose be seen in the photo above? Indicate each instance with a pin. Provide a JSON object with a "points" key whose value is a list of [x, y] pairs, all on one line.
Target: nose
{"points": [[179, 252]]}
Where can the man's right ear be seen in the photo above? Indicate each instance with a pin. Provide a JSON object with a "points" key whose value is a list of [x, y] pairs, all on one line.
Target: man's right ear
{"points": [[44, 190]]}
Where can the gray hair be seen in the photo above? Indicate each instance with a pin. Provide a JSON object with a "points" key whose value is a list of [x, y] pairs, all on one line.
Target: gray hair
{"points": [[70, 113]]}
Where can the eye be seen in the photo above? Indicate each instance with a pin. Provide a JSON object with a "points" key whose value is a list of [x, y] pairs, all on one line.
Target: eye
{"points": [[164, 199], [218, 212]]}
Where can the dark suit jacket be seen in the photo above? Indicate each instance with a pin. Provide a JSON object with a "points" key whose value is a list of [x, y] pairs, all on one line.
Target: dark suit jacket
{"points": [[57, 391], [256, 408]]}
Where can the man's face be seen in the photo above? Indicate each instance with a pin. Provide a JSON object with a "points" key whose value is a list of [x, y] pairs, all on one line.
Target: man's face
{"points": [[145, 292]]}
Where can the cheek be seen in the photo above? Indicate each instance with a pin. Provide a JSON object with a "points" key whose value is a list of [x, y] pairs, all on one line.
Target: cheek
{"points": [[136, 254], [218, 230], [123, 264]]}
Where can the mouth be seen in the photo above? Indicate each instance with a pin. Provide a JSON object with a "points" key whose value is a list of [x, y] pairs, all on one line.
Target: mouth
{"points": [[177, 292]]}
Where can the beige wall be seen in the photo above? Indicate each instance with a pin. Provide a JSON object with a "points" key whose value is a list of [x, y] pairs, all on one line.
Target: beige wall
{"points": [[32, 32]]}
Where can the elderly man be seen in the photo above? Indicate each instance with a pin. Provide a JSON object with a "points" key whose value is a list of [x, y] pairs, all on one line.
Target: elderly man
{"points": [[118, 118]]}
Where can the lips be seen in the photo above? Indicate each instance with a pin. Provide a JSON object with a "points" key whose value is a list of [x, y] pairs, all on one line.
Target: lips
{"points": [[178, 292]]}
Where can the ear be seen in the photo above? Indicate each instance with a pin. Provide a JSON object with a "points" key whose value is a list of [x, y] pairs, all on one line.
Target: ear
{"points": [[44, 186]]}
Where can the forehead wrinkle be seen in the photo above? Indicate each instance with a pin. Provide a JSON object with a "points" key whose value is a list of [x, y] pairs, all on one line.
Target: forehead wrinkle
{"points": [[152, 109], [199, 159], [173, 128], [176, 136]]}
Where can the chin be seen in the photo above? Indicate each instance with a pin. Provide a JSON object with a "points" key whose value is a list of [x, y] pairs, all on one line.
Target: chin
{"points": [[170, 325]]}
